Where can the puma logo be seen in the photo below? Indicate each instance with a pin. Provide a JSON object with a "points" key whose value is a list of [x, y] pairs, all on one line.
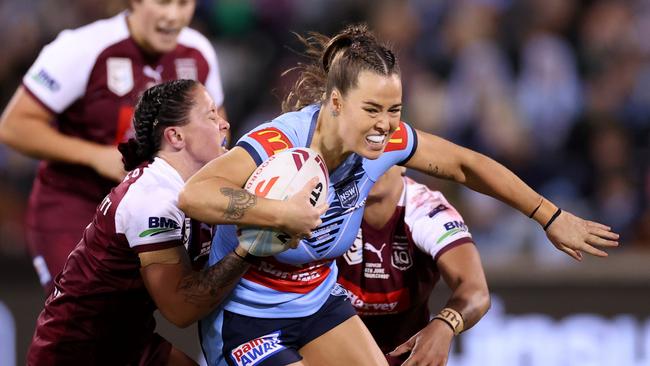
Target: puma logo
{"points": [[370, 247], [155, 74]]}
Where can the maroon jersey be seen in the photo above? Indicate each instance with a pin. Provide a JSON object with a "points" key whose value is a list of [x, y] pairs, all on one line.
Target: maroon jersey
{"points": [[100, 311], [389, 272], [91, 78]]}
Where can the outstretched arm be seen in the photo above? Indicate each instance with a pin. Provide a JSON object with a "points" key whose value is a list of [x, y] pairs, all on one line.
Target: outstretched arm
{"points": [[569, 233], [462, 271]]}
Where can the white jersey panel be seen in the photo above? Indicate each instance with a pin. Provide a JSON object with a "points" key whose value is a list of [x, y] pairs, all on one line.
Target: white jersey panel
{"points": [[192, 38], [148, 213], [433, 222], [60, 74]]}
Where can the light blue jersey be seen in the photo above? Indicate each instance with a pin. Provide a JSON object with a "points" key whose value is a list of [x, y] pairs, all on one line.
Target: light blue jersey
{"points": [[297, 282]]}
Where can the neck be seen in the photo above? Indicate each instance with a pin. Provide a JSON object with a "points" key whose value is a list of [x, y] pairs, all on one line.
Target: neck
{"points": [[379, 209], [132, 24], [326, 140], [184, 166]]}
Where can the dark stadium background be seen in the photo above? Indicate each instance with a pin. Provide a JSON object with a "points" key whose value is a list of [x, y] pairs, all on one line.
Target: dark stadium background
{"points": [[557, 90]]}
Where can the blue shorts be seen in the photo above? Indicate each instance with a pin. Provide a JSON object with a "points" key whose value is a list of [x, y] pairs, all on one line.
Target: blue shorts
{"points": [[273, 342]]}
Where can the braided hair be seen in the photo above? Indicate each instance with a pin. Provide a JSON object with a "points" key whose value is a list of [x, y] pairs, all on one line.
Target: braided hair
{"points": [[336, 63], [164, 105]]}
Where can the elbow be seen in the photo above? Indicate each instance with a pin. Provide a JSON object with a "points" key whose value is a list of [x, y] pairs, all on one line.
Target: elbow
{"points": [[184, 201], [188, 202], [11, 136], [483, 301], [182, 323], [5, 133], [178, 319]]}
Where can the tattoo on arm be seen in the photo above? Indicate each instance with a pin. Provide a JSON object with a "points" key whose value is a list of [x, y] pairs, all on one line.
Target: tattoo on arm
{"points": [[211, 285], [436, 171], [240, 201]]}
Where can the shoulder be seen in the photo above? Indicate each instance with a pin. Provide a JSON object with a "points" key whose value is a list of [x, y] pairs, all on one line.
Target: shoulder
{"points": [[298, 122], [194, 39], [148, 194], [421, 201], [148, 213], [151, 189], [93, 37], [435, 225], [283, 132]]}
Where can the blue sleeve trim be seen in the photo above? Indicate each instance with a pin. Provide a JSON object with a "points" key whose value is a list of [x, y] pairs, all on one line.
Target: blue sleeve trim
{"points": [[413, 149], [251, 150]]}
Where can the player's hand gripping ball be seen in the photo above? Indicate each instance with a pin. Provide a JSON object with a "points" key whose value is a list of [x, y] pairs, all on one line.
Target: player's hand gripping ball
{"points": [[279, 177]]}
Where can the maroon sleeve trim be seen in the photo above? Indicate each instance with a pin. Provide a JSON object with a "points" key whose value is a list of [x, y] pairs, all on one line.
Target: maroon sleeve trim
{"points": [[37, 99], [453, 245], [157, 246]]}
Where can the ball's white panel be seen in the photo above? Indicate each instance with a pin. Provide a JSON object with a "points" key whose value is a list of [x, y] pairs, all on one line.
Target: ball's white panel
{"points": [[280, 177]]}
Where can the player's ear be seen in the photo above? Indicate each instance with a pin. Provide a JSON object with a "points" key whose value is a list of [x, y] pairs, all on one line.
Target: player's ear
{"points": [[174, 136], [336, 99]]}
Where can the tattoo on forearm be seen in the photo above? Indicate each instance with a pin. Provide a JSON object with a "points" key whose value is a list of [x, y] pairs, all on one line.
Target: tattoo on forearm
{"points": [[240, 201], [211, 285], [438, 172]]}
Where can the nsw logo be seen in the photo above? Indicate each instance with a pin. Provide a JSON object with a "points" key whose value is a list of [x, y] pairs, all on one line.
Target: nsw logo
{"points": [[159, 225], [348, 194], [256, 350]]}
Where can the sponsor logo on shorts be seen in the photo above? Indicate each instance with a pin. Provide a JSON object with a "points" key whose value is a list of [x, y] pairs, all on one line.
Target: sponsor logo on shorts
{"points": [[453, 228], [43, 78], [256, 350], [348, 194], [272, 140], [398, 140], [159, 225]]}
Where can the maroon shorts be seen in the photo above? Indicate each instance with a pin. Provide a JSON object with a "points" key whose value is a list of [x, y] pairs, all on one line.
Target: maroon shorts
{"points": [[155, 352]]}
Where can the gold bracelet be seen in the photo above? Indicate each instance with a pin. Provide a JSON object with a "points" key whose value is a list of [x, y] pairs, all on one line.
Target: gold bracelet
{"points": [[453, 318]]}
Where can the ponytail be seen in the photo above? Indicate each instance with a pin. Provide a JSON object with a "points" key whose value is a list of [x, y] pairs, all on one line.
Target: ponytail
{"points": [[336, 63]]}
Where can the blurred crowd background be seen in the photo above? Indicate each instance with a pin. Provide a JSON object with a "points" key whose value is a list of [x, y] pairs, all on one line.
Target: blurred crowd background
{"points": [[556, 90]]}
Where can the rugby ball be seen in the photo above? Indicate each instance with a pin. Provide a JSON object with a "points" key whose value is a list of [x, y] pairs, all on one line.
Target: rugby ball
{"points": [[280, 177]]}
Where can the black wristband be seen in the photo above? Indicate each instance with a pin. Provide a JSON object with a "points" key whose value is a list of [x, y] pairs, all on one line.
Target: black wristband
{"points": [[237, 254], [555, 215], [536, 208]]}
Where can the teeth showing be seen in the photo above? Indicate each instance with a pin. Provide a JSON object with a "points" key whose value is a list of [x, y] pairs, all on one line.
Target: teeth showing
{"points": [[167, 30], [377, 139]]}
